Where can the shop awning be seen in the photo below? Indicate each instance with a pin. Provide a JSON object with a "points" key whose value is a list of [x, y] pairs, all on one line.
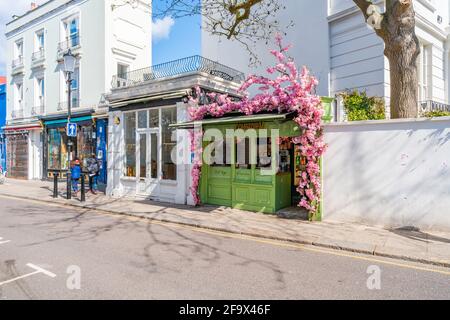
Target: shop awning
{"points": [[64, 121], [237, 119], [164, 96]]}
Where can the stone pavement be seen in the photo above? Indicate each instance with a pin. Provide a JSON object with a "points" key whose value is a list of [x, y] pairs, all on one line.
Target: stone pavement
{"points": [[412, 245]]}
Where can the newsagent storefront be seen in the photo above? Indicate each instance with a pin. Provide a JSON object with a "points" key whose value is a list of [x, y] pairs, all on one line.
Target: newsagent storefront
{"points": [[56, 157]]}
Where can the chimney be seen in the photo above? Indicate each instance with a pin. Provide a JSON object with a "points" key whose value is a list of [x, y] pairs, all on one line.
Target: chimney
{"points": [[33, 5]]}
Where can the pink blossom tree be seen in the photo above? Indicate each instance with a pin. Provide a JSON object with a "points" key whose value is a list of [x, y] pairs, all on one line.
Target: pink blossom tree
{"points": [[285, 90]]}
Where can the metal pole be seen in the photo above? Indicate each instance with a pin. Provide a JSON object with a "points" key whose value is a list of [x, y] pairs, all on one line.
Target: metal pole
{"points": [[83, 188], [55, 184], [69, 139]]}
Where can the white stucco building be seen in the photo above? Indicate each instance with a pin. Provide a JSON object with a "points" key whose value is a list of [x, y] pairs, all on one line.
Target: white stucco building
{"points": [[107, 36], [333, 40]]}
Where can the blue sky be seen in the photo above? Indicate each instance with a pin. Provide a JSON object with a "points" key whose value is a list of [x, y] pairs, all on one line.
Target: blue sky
{"points": [[173, 39], [184, 39]]}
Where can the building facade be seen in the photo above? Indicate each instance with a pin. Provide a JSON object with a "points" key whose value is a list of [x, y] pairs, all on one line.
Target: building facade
{"points": [[332, 38], [147, 157], [107, 37]]}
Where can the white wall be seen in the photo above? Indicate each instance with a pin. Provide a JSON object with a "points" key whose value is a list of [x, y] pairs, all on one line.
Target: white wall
{"points": [[107, 37], [388, 173], [309, 37]]}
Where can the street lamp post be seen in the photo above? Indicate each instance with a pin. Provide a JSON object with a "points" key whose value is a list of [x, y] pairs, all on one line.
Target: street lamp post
{"points": [[69, 68]]}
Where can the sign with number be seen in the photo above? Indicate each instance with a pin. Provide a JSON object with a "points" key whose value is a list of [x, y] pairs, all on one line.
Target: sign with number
{"points": [[71, 130]]}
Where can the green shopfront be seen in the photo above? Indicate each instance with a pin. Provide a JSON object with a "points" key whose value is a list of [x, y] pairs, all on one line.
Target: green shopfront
{"points": [[259, 174], [254, 168]]}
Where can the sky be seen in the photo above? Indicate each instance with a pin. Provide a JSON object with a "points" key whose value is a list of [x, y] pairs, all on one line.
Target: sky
{"points": [[172, 39]]}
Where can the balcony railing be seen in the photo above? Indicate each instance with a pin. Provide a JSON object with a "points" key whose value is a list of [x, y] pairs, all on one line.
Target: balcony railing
{"points": [[38, 55], [71, 43], [39, 109], [17, 63], [17, 114], [64, 105], [177, 67], [430, 105]]}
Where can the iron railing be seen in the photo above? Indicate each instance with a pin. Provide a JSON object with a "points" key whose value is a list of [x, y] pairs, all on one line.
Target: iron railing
{"points": [[38, 55], [39, 109], [17, 63], [72, 42], [64, 105], [174, 68], [430, 105]]}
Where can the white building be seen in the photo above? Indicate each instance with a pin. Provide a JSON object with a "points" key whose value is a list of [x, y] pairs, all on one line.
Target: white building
{"points": [[143, 107], [333, 40], [107, 36]]}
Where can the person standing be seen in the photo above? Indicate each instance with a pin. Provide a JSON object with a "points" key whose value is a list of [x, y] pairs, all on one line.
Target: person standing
{"points": [[76, 175], [93, 168]]}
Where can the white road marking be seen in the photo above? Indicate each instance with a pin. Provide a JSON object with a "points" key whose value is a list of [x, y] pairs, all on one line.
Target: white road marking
{"points": [[37, 271], [5, 241]]}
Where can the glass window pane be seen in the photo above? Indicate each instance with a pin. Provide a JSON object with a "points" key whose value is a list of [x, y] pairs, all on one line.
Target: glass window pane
{"points": [[243, 153], [130, 144], [143, 155], [142, 119], [85, 143], [154, 118], [169, 168], [264, 153], [54, 149], [154, 159]]}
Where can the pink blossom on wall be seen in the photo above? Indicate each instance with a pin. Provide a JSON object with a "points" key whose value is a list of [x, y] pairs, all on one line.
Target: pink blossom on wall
{"points": [[289, 91]]}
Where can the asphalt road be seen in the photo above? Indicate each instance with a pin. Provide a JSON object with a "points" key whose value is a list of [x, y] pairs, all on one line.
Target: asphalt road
{"points": [[54, 252]]}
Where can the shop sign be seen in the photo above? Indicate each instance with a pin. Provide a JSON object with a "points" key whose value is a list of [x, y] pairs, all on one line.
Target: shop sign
{"points": [[250, 125]]}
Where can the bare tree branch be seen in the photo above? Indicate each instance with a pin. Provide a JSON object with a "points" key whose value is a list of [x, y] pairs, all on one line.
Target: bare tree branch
{"points": [[244, 21]]}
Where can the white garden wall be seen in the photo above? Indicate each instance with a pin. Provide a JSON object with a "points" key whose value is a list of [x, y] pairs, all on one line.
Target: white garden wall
{"points": [[389, 173]]}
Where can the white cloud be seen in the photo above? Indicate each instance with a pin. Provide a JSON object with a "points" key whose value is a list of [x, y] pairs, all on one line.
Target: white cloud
{"points": [[8, 9], [161, 28]]}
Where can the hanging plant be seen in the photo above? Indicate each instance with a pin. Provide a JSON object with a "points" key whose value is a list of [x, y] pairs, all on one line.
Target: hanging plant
{"points": [[289, 91]]}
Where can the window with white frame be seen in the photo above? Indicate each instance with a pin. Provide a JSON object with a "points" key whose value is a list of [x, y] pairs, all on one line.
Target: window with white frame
{"points": [[18, 96], [75, 88], [156, 121], [39, 41], [40, 93], [122, 70], [71, 31], [424, 73], [18, 53]]}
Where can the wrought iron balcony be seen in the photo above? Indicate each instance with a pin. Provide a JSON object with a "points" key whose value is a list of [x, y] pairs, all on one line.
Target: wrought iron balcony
{"points": [[38, 55], [174, 68], [64, 105], [39, 109], [72, 43], [430, 105], [17, 63], [17, 114]]}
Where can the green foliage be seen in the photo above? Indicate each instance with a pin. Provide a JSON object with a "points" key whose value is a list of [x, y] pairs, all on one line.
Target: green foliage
{"points": [[358, 106], [436, 114]]}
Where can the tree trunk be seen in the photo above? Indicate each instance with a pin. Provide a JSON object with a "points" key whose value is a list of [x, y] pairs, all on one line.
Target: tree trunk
{"points": [[398, 31], [404, 84]]}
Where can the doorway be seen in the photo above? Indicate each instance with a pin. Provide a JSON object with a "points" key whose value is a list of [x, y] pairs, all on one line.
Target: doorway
{"points": [[148, 163]]}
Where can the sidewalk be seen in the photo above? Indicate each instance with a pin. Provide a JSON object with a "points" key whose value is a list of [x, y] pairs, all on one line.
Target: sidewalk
{"points": [[401, 244]]}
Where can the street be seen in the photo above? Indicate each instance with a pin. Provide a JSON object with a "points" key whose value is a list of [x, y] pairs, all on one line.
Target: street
{"points": [[58, 252]]}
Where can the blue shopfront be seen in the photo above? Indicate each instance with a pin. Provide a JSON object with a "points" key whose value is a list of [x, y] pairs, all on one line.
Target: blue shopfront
{"points": [[2, 123], [91, 139]]}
